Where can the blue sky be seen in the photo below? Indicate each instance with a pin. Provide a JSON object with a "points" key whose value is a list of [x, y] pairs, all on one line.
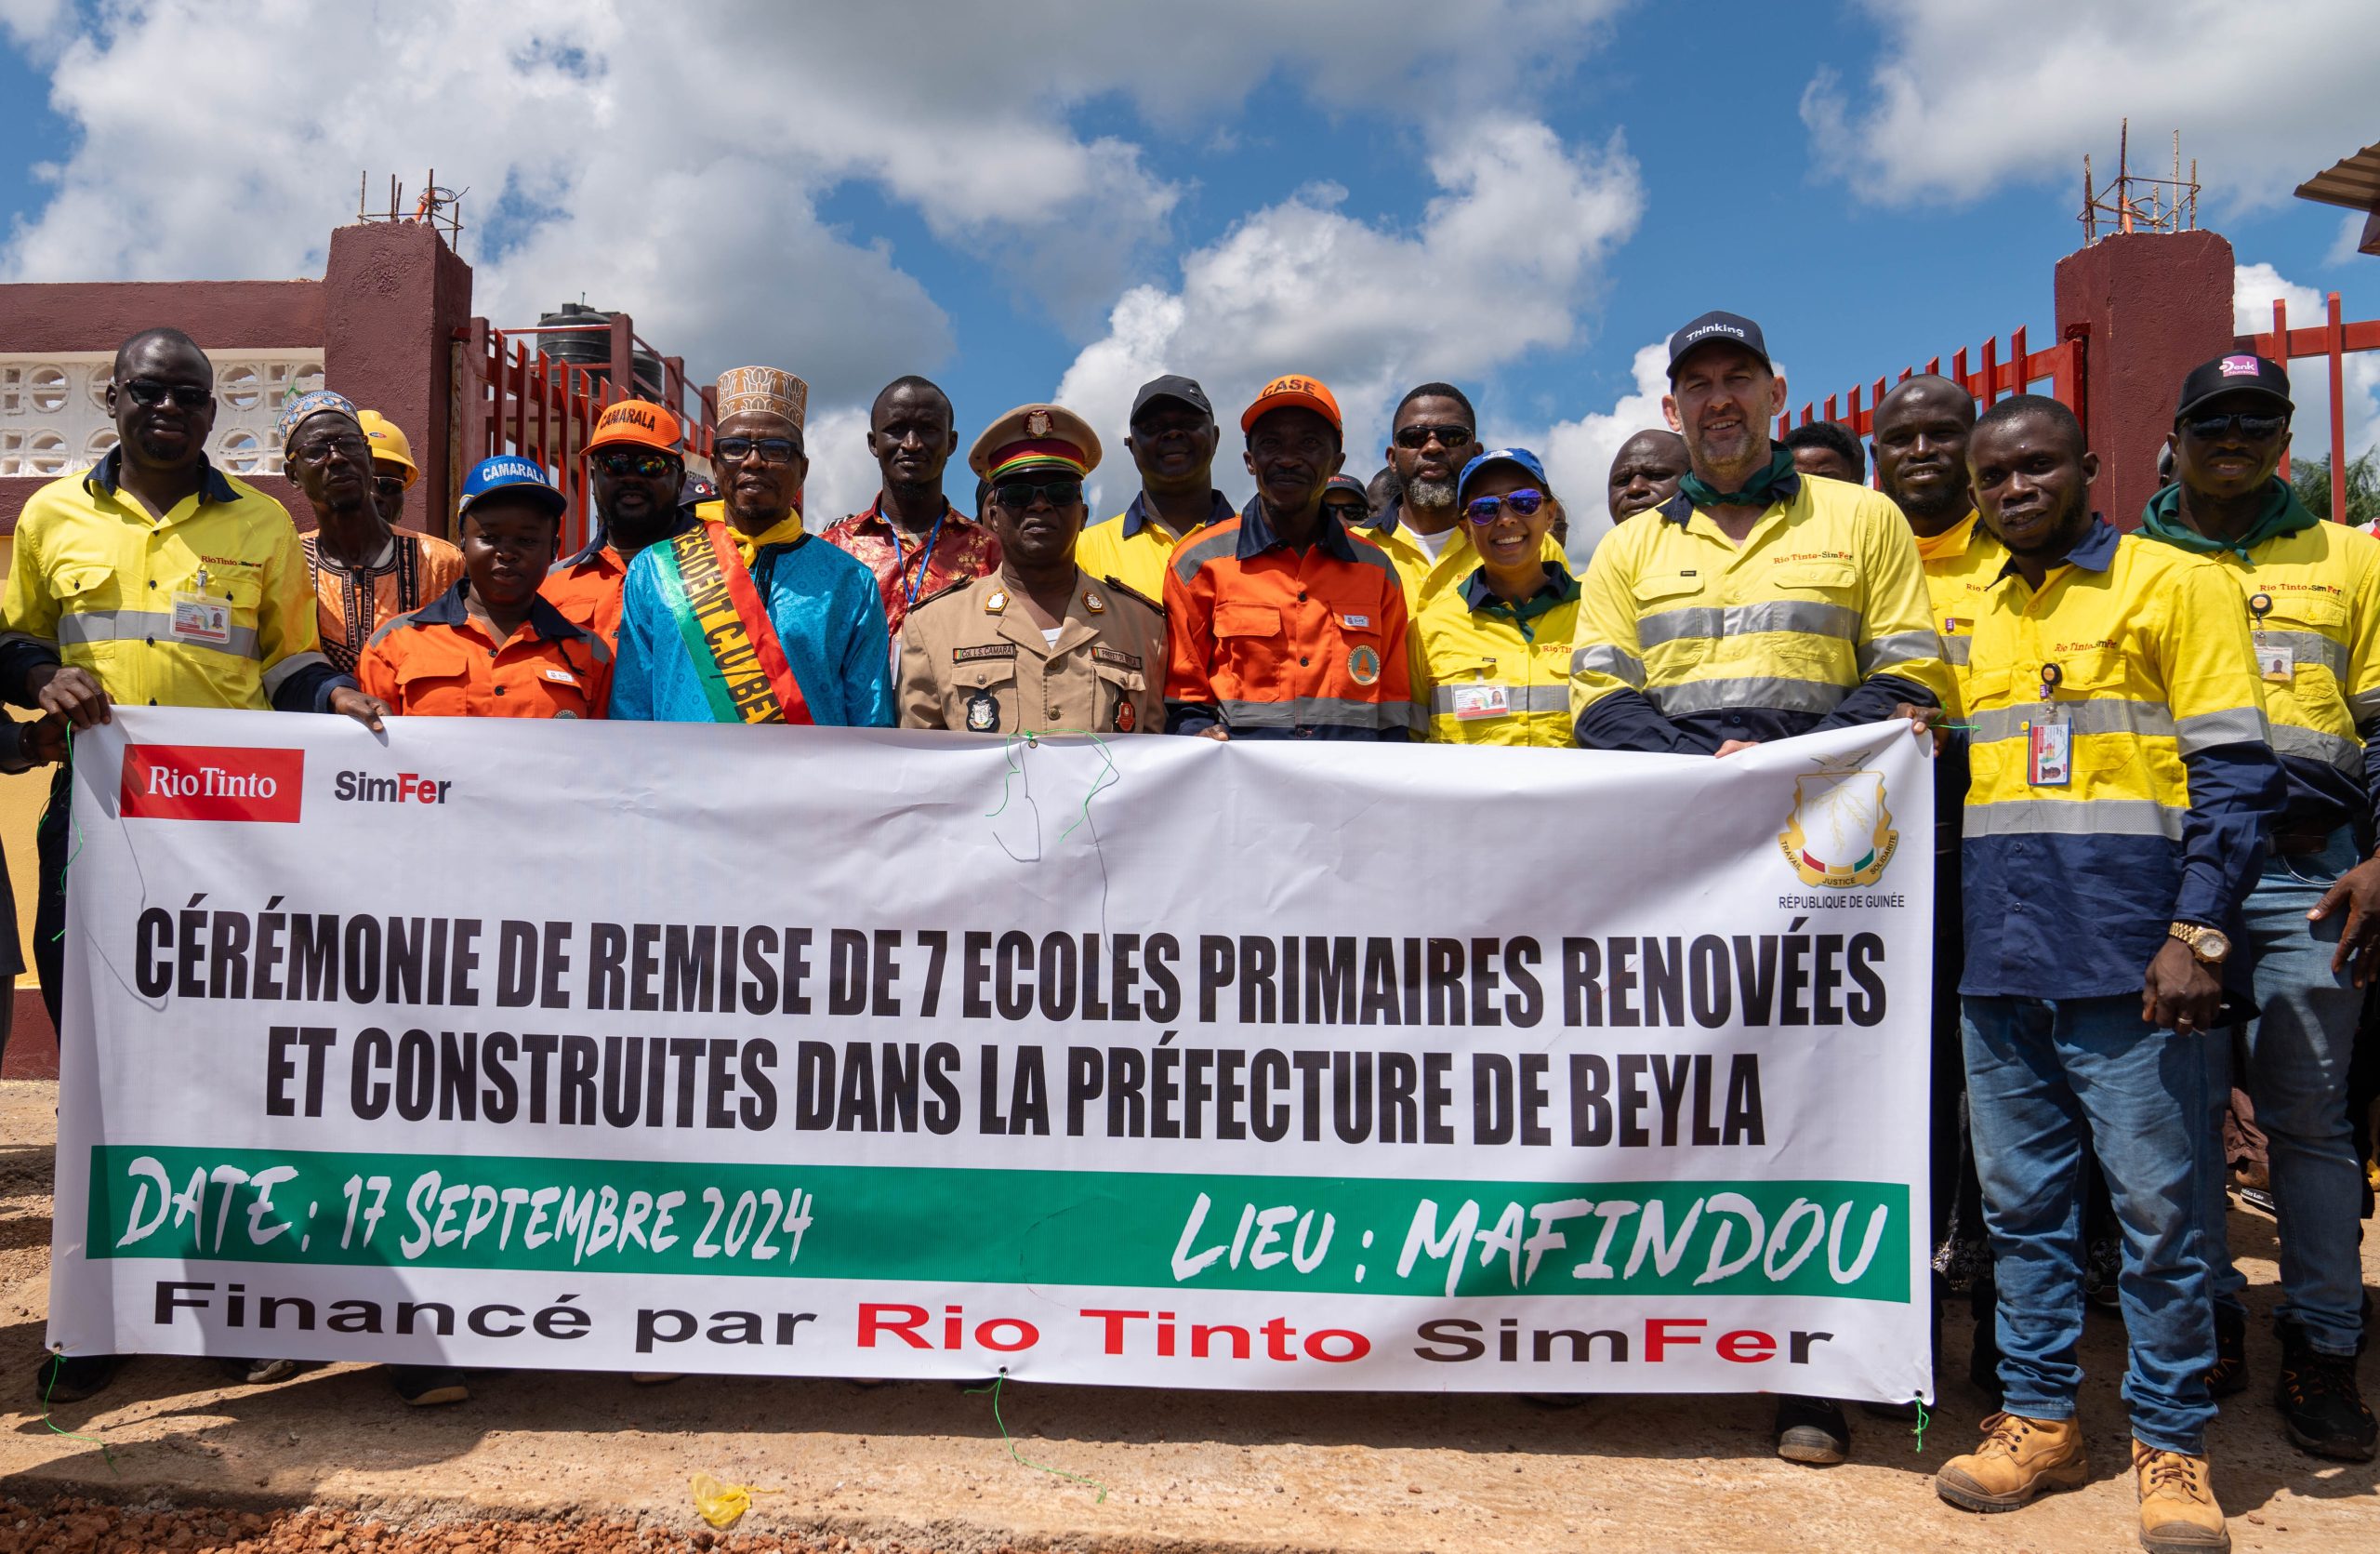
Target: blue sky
{"points": [[1911, 231]]}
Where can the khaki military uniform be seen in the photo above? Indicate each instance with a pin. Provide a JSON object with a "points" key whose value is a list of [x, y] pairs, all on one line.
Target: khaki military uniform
{"points": [[971, 658]]}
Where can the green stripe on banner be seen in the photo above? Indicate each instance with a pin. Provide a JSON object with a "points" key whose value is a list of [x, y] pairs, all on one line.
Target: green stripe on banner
{"points": [[1345, 1235], [689, 632]]}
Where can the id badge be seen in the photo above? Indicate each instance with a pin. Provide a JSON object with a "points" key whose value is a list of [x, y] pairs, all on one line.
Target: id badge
{"points": [[2276, 661], [2049, 749], [1482, 701], [202, 620]]}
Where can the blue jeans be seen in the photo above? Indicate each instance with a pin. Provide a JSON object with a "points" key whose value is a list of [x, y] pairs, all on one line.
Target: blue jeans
{"points": [[2044, 1078], [2295, 1075]]}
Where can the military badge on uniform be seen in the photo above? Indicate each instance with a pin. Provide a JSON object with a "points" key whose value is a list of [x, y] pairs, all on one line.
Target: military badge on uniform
{"points": [[1363, 666], [995, 602], [1092, 602], [983, 713], [1125, 717], [1036, 423]]}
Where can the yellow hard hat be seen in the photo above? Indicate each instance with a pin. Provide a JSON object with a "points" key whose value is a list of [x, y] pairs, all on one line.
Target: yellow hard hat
{"points": [[389, 445]]}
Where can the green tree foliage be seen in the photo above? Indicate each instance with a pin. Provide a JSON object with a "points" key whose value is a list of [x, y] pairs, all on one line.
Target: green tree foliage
{"points": [[2312, 479]]}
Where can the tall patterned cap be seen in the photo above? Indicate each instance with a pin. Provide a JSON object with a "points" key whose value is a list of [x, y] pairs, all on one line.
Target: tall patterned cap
{"points": [[305, 406], [767, 389]]}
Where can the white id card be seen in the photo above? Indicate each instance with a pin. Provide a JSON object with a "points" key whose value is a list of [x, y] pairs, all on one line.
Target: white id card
{"points": [[2276, 661], [2049, 749], [1482, 701], [199, 620]]}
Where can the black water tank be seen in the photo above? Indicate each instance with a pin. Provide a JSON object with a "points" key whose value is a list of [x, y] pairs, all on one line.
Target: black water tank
{"points": [[591, 348]]}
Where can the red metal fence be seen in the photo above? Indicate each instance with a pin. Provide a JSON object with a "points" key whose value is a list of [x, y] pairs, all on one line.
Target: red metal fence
{"points": [[514, 397], [2333, 338], [1994, 375]]}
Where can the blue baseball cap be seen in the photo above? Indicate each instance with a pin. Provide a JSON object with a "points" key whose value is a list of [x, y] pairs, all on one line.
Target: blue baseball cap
{"points": [[509, 471], [1521, 457], [1718, 329]]}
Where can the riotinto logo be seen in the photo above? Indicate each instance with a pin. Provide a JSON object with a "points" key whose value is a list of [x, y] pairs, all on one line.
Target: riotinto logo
{"points": [[209, 782], [405, 787]]}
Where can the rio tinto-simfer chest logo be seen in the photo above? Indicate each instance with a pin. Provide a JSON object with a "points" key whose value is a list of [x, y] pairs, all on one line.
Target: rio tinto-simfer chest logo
{"points": [[212, 782]]}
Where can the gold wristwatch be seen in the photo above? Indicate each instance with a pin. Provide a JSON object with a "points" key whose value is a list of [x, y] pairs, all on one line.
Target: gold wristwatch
{"points": [[2209, 945]]}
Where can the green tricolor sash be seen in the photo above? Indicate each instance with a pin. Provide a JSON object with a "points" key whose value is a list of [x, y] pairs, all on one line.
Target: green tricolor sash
{"points": [[725, 626]]}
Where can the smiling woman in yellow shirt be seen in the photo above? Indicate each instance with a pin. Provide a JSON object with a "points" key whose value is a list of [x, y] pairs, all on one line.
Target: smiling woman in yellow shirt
{"points": [[1491, 657]]}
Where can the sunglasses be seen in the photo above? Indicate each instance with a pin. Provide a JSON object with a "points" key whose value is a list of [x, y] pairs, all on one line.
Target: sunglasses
{"points": [[2255, 429], [618, 462], [771, 450], [1018, 495], [1522, 503], [1447, 436], [148, 393], [390, 485]]}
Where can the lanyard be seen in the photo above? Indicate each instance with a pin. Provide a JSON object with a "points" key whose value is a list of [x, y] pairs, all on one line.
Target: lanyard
{"points": [[901, 559]]}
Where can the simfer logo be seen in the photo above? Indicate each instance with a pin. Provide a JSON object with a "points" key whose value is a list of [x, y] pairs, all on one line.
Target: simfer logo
{"points": [[211, 782]]}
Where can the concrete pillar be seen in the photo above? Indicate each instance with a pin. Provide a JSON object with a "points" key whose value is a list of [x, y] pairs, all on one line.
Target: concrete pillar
{"points": [[395, 298], [2155, 305]]}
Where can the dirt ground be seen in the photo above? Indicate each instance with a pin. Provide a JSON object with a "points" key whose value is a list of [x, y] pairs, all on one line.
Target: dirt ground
{"points": [[540, 1462]]}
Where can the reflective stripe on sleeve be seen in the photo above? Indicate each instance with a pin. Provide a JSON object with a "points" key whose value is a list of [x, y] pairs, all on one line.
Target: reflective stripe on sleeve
{"points": [[288, 666], [89, 626], [2233, 726], [2075, 818], [1764, 693], [1806, 617], [1902, 647], [2364, 706], [2312, 744], [2309, 647], [1603, 658]]}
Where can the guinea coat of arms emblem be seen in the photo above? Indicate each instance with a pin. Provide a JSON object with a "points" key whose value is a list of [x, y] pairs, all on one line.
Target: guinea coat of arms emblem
{"points": [[1840, 832]]}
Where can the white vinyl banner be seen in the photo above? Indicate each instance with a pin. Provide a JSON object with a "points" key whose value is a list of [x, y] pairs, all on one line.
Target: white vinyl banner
{"points": [[1154, 1061]]}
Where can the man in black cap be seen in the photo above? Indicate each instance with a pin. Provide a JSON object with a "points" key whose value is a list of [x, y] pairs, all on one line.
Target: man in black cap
{"points": [[2313, 598], [1754, 604], [1172, 440]]}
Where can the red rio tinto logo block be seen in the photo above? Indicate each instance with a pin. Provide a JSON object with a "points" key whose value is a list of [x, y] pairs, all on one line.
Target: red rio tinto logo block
{"points": [[212, 782]]}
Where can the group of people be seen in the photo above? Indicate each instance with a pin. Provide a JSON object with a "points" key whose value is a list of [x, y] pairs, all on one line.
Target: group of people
{"points": [[2158, 779]]}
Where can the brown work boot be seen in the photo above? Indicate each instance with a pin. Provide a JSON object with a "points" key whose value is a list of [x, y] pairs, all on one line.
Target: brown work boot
{"points": [[2177, 1510], [2017, 1459]]}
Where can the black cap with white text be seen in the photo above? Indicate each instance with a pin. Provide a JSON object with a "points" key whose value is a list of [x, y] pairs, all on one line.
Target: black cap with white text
{"points": [[1718, 329]]}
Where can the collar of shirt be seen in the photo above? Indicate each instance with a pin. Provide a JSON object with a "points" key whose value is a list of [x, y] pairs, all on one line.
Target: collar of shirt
{"points": [[1952, 542], [602, 542], [784, 531], [1138, 516], [1559, 587], [1784, 486], [381, 560], [2096, 551], [452, 608], [951, 519], [1256, 535], [108, 474]]}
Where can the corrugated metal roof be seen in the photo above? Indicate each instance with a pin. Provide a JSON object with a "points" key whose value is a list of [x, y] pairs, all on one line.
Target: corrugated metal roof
{"points": [[2353, 182]]}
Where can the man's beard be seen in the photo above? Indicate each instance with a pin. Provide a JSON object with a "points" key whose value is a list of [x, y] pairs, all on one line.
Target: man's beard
{"points": [[1430, 495], [1942, 502]]}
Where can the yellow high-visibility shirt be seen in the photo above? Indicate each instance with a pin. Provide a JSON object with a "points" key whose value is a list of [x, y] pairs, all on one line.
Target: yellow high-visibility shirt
{"points": [[1757, 640], [210, 605], [1425, 577], [2154, 803], [1487, 673], [1131, 548], [1961, 563]]}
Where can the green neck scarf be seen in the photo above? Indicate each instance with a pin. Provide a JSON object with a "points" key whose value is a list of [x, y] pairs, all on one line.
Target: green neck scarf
{"points": [[2282, 513], [1779, 483]]}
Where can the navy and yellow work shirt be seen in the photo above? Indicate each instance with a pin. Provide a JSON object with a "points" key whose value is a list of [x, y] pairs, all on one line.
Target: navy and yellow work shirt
{"points": [[1818, 620], [2313, 612], [209, 605], [2074, 870], [443, 661], [1132, 548], [1277, 642], [1490, 671]]}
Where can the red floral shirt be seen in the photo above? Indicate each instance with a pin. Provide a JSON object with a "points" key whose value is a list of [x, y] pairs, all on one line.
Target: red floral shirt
{"points": [[962, 551]]}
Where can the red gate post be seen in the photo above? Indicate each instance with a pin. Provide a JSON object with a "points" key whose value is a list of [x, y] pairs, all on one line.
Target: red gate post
{"points": [[2155, 305]]}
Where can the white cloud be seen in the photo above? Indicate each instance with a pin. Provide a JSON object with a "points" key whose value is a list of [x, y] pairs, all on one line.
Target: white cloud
{"points": [[1967, 96], [1578, 453], [1501, 262], [2255, 288], [844, 474], [32, 25]]}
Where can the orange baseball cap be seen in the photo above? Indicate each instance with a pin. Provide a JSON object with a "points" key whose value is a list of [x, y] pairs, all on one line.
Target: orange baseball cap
{"points": [[639, 421], [1308, 393]]}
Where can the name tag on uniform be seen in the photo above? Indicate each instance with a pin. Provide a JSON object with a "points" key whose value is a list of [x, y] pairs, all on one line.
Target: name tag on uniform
{"points": [[561, 677], [2276, 661], [1358, 622], [202, 621], [1482, 701], [2049, 749]]}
